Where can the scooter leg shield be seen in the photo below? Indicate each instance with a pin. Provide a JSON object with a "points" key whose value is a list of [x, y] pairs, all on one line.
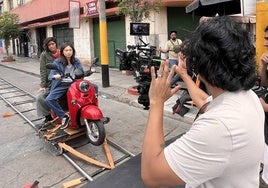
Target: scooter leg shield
{"points": [[91, 112]]}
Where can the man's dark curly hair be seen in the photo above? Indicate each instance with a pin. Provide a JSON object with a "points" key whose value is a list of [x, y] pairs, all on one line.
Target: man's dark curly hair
{"points": [[48, 40], [222, 53]]}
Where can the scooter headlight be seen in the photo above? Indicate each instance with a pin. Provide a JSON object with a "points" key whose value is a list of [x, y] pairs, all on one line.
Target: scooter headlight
{"points": [[84, 86]]}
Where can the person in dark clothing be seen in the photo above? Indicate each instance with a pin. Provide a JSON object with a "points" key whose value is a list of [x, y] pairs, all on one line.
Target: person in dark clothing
{"points": [[49, 54]]}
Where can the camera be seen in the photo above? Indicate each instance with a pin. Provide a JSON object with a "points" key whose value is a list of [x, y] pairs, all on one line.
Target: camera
{"points": [[140, 58], [144, 79], [140, 29]]}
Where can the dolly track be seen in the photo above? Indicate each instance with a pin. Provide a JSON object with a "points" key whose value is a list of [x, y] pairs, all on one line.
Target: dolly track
{"points": [[23, 103]]}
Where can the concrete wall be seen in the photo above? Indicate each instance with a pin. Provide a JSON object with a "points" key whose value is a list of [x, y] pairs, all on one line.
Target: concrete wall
{"points": [[248, 7], [32, 46], [49, 31], [83, 40]]}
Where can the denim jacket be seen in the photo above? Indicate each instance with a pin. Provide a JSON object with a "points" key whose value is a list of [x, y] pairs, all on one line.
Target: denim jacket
{"points": [[61, 70]]}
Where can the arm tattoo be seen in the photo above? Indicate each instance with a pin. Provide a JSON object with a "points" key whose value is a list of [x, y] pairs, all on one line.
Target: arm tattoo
{"points": [[163, 145]]}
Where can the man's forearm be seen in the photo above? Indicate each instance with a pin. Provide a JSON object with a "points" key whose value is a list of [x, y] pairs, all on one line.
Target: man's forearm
{"points": [[198, 95], [163, 51], [154, 142]]}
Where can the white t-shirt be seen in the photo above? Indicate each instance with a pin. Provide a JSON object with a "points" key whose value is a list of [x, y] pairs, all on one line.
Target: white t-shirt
{"points": [[224, 146], [170, 48]]}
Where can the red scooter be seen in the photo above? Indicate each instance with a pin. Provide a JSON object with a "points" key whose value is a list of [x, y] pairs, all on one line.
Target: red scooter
{"points": [[82, 106]]}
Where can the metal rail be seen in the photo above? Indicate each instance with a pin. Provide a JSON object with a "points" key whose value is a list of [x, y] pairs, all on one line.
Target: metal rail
{"points": [[77, 167], [10, 88]]}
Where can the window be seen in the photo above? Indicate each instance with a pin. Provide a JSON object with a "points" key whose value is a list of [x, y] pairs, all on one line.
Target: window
{"points": [[1, 7], [20, 2], [11, 5]]}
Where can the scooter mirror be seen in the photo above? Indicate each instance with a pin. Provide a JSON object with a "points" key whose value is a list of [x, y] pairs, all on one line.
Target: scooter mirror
{"points": [[95, 61], [51, 66], [78, 74]]}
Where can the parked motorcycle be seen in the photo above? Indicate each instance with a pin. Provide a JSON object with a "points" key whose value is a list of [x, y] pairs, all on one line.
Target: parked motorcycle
{"points": [[81, 102]]}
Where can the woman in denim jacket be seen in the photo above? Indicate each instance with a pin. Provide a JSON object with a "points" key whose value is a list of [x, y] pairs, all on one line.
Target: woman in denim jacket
{"points": [[67, 63]]}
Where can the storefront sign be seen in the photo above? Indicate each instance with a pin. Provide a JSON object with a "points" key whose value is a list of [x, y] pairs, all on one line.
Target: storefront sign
{"points": [[92, 8], [74, 14]]}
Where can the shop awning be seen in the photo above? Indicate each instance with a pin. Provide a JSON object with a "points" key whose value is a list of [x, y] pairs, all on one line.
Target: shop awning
{"points": [[213, 7], [239, 19]]}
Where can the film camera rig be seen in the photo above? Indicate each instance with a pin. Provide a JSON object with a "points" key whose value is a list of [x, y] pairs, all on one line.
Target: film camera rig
{"points": [[140, 58]]}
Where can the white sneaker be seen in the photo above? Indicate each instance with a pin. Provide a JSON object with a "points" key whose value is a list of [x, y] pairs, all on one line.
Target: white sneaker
{"points": [[65, 121]]}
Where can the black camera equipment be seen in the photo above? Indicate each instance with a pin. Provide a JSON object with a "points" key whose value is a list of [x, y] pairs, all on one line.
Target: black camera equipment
{"points": [[139, 59], [261, 92], [139, 29]]}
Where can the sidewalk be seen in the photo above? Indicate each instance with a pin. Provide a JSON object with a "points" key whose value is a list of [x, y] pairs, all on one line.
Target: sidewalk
{"points": [[118, 90]]}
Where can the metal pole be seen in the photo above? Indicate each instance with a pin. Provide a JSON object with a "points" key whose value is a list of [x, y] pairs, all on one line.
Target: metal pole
{"points": [[104, 44], [77, 167]]}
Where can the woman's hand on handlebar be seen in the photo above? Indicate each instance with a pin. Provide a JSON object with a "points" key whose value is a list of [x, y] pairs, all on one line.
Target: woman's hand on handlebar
{"points": [[57, 76], [41, 89]]}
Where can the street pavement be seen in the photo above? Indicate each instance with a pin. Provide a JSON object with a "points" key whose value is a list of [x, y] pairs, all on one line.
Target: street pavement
{"points": [[120, 83]]}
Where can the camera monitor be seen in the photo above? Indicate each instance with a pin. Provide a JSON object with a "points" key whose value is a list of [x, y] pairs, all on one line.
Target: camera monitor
{"points": [[139, 29]]}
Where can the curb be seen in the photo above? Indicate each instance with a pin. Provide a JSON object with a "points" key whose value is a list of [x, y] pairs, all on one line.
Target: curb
{"points": [[133, 90], [20, 70]]}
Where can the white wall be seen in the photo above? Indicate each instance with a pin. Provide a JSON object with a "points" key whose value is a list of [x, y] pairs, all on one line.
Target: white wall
{"points": [[83, 40], [248, 7], [49, 31], [161, 27], [32, 45]]}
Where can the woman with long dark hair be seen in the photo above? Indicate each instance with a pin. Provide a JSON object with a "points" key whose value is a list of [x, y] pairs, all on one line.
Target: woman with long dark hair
{"points": [[67, 64]]}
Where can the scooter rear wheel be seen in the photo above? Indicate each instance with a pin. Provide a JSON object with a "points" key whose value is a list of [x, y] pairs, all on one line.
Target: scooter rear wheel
{"points": [[95, 132]]}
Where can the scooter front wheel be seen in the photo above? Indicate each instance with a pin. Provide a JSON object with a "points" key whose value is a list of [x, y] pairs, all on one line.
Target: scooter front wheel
{"points": [[95, 132]]}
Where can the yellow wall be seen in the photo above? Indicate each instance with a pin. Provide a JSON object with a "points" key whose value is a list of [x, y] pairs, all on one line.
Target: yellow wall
{"points": [[261, 23]]}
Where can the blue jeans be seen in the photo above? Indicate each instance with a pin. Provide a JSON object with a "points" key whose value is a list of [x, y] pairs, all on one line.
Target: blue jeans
{"points": [[172, 62], [52, 98], [176, 76]]}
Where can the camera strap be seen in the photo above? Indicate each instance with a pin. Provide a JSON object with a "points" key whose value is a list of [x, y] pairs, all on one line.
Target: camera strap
{"points": [[175, 41], [174, 44]]}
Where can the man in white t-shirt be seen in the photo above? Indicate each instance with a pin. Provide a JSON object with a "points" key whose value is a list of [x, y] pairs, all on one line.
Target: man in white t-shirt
{"points": [[224, 146], [172, 48]]}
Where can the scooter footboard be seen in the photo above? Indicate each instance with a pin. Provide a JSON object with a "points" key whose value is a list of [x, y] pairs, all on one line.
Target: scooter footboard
{"points": [[91, 112]]}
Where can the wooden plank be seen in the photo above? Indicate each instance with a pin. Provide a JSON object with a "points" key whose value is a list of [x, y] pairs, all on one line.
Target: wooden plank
{"points": [[82, 156], [73, 131], [108, 154], [73, 183]]}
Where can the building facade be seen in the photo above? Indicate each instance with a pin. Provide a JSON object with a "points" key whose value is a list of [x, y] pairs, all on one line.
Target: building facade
{"points": [[44, 18]]}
